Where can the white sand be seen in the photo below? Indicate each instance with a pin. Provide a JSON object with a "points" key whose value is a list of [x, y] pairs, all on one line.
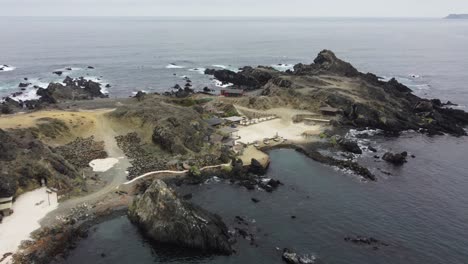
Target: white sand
{"points": [[269, 129], [102, 165], [25, 219]]}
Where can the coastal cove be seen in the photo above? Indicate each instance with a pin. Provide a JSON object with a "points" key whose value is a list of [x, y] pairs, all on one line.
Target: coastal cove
{"points": [[404, 210]]}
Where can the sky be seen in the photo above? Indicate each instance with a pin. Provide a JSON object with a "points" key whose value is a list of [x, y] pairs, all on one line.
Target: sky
{"points": [[303, 8]]}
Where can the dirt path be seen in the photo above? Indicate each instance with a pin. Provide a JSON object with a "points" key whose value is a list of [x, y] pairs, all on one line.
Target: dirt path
{"points": [[114, 176], [171, 172]]}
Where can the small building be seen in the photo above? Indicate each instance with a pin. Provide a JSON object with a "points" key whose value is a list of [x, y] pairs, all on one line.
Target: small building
{"points": [[329, 111], [232, 92], [234, 119], [215, 139], [214, 121], [231, 143], [6, 203]]}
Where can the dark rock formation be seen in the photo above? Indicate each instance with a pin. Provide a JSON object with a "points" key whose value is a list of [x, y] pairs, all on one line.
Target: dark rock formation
{"points": [[257, 168], [343, 164], [350, 146], [24, 85], [140, 95], [397, 159], [366, 241], [74, 89], [247, 78], [165, 218]]}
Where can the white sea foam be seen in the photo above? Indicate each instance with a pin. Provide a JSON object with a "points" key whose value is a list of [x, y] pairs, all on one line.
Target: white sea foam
{"points": [[220, 66], [135, 93], [66, 69], [199, 70], [174, 66], [220, 84], [385, 78], [283, 67], [419, 86], [29, 94], [6, 68]]}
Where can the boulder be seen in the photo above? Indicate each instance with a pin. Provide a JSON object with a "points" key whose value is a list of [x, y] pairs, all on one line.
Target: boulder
{"points": [[423, 106], [165, 218], [140, 95], [396, 159], [24, 85], [350, 146]]}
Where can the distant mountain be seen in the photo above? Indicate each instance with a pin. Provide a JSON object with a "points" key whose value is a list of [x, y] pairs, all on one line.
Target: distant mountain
{"points": [[457, 16]]}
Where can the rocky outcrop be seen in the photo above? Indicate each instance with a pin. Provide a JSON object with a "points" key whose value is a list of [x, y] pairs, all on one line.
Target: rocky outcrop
{"points": [[342, 164], [73, 89], [165, 218], [365, 100], [247, 78], [178, 136], [25, 162]]}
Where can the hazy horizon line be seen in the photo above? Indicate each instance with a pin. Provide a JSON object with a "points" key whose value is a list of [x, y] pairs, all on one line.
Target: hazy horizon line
{"points": [[210, 16]]}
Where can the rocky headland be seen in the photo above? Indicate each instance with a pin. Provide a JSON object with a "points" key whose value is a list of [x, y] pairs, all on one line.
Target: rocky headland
{"points": [[363, 99]]}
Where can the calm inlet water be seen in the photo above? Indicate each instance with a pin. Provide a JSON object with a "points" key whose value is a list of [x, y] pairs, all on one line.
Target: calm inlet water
{"points": [[421, 211]]}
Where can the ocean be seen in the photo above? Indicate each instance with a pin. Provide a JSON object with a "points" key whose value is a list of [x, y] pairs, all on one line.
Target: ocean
{"points": [[420, 210], [132, 54]]}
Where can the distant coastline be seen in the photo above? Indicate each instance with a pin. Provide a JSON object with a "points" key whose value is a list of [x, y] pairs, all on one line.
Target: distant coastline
{"points": [[457, 16]]}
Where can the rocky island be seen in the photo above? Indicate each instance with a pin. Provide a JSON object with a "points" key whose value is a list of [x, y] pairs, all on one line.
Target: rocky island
{"points": [[187, 137], [457, 16]]}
